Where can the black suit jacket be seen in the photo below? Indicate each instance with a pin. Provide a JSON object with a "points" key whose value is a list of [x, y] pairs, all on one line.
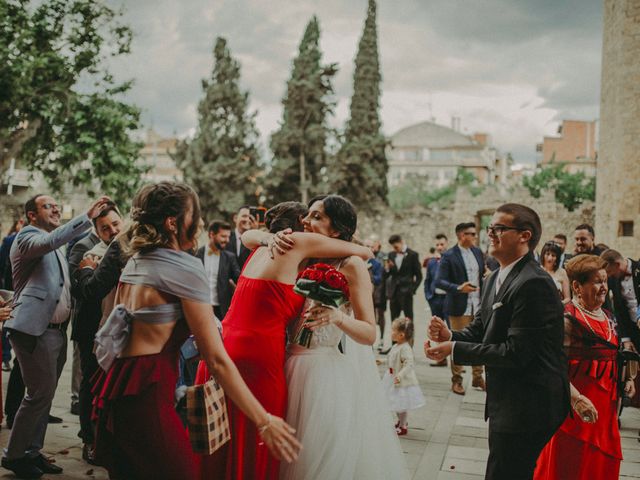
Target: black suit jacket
{"points": [[228, 271], [405, 279], [518, 336], [84, 310], [91, 286], [244, 251], [451, 274], [627, 326]]}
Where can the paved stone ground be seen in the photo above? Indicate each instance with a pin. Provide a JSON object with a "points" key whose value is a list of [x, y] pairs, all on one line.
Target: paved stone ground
{"points": [[447, 437]]}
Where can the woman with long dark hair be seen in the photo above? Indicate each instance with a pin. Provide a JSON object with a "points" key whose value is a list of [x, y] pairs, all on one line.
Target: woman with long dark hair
{"points": [[163, 293], [336, 401]]}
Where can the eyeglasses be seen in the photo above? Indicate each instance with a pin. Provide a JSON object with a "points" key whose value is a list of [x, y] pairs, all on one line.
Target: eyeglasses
{"points": [[498, 230], [49, 206]]}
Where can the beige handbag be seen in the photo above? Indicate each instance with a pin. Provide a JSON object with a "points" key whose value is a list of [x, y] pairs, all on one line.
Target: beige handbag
{"points": [[207, 417]]}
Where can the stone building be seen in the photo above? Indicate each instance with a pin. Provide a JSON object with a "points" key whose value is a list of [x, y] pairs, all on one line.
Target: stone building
{"points": [[435, 153], [575, 146], [618, 177], [419, 226], [156, 154]]}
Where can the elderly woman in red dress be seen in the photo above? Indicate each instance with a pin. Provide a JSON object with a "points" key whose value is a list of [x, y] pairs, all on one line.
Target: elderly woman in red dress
{"points": [[587, 445]]}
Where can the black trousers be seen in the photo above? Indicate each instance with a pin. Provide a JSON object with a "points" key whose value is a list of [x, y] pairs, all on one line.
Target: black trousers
{"points": [[401, 301], [15, 392], [89, 366], [513, 456]]}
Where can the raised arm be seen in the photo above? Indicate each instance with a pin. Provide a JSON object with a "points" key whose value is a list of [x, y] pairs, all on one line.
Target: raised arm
{"points": [[308, 245], [277, 435], [33, 243]]}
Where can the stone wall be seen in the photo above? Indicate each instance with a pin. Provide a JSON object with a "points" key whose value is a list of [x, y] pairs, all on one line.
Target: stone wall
{"points": [[419, 226], [618, 189]]}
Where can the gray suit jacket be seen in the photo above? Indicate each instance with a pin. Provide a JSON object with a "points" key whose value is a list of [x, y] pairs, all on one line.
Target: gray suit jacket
{"points": [[38, 278]]}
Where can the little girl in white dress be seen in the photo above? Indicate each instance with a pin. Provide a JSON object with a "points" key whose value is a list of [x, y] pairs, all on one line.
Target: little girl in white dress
{"points": [[403, 389]]}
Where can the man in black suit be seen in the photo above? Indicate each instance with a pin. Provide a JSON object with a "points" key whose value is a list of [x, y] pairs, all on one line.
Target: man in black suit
{"points": [[87, 310], [404, 275], [460, 275], [220, 266], [624, 283], [243, 222], [518, 335]]}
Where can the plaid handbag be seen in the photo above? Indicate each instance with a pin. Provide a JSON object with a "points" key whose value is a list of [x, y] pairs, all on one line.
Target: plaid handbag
{"points": [[207, 417]]}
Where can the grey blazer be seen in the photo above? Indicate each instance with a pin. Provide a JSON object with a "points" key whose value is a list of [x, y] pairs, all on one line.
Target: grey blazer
{"points": [[38, 278]]}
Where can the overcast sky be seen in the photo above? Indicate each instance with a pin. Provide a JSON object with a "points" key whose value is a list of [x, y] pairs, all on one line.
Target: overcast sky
{"points": [[511, 68]]}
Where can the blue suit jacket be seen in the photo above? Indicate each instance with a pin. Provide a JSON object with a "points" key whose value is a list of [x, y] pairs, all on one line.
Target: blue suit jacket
{"points": [[37, 274], [431, 272], [451, 274]]}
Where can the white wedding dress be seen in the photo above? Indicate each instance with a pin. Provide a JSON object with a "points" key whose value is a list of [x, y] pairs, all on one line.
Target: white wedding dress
{"points": [[337, 406]]}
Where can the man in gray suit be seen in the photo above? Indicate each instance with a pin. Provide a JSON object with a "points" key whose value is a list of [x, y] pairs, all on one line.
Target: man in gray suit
{"points": [[37, 331]]}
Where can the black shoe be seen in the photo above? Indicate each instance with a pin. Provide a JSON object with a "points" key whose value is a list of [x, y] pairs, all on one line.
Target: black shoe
{"points": [[75, 408], [22, 467], [53, 419], [384, 352], [89, 454], [45, 465]]}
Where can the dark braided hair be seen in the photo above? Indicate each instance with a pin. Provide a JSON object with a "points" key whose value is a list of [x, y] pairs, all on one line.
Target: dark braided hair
{"points": [[152, 205]]}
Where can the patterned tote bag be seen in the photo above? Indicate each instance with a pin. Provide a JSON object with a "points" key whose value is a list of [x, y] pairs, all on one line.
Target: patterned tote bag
{"points": [[207, 417]]}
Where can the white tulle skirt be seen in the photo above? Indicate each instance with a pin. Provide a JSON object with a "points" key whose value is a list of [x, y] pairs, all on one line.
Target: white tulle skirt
{"points": [[341, 417], [402, 399]]}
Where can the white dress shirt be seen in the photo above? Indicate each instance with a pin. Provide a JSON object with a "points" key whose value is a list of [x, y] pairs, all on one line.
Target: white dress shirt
{"points": [[400, 256], [63, 308], [503, 273], [211, 267], [238, 242], [473, 274]]}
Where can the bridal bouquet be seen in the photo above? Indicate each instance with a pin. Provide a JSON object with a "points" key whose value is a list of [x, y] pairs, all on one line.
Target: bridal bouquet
{"points": [[324, 285]]}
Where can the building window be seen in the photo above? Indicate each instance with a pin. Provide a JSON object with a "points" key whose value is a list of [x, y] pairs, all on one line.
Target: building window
{"points": [[625, 229]]}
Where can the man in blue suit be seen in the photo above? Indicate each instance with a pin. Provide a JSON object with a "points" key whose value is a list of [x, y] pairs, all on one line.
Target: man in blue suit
{"points": [[460, 275], [436, 296], [37, 331]]}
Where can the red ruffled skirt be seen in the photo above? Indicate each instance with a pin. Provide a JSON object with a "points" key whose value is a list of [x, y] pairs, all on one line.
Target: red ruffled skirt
{"points": [[139, 434]]}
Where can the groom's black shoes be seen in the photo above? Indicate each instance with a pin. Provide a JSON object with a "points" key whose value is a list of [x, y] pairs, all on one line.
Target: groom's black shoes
{"points": [[22, 467], [45, 465]]}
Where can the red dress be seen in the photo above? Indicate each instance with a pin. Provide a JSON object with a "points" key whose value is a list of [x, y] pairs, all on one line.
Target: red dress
{"points": [[254, 337], [139, 434], [580, 450]]}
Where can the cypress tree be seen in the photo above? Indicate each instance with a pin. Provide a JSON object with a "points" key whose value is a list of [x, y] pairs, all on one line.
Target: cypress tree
{"points": [[359, 170], [221, 162], [299, 145]]}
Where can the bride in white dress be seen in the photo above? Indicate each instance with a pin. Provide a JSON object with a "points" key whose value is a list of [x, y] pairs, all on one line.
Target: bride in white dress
{"points": [[336, 402]]}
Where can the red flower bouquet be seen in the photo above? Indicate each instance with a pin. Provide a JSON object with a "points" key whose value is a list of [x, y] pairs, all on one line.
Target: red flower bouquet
{"points": [[324, 285]]}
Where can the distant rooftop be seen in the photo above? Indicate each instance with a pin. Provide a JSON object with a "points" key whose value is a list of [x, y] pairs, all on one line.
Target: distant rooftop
{"points": [[430, 135]]}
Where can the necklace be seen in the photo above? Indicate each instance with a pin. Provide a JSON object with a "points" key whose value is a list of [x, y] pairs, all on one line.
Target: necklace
{"points": [[599, 313]]}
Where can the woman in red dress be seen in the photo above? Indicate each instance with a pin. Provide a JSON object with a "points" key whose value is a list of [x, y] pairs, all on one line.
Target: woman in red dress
{"points": [[587, 445], [254, 336]]}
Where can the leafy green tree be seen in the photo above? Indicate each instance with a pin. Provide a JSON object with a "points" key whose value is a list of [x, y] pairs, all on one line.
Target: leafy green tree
{"points": [[359, 170], [221, 162], [60, 112], [300, 145], [571, 189]]}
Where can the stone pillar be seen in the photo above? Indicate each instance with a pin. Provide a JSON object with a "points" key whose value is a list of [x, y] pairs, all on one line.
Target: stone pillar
{"points": [[618, 166]]}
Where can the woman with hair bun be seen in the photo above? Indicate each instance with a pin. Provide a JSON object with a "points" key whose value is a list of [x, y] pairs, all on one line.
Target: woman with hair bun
{"points": [[254, 331], [163, 293]]}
